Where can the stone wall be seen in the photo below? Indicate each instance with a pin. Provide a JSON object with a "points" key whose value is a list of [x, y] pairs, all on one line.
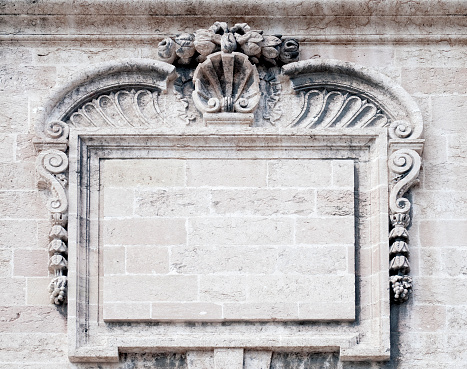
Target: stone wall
{"points": [[419, 45]]}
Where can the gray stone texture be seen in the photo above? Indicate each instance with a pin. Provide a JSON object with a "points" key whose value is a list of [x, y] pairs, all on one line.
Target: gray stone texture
{"points": [[420, 45]]}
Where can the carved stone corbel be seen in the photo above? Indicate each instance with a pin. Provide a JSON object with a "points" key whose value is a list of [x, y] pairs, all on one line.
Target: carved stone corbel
{"points": [[51, 167], [404, 164]]}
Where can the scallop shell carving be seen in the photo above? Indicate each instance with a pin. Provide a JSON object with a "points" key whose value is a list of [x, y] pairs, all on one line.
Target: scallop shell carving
{"points": [[135, 107], [335, 109], [226, 82]]}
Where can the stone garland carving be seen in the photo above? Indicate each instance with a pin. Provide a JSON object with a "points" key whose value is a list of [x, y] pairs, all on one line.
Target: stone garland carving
{"points": [[51, 166], [405, 165], [188, 47], [336, 109]]}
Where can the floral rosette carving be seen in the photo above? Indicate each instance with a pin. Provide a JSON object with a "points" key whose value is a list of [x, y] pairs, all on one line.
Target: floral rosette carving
{"points": [[405, 165]]}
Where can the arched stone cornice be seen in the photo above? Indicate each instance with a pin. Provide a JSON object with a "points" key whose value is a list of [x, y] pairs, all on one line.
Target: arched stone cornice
{"points": [[105, 77]]}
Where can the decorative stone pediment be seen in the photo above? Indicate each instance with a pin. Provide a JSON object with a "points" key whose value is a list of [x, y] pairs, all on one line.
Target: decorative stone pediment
{"points": [[340, 142]]}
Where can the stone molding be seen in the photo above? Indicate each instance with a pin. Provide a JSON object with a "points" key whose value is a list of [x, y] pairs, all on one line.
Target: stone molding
{"points": [[95, 339], [388, 21], [341, 102]]}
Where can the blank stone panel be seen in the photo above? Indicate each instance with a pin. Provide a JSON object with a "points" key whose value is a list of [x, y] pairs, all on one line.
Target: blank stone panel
{"points": [[233, 239]]}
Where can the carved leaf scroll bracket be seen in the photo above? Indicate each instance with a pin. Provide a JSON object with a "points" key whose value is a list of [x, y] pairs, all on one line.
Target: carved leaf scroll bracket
{"points": [[404, 165], [51, 167]]}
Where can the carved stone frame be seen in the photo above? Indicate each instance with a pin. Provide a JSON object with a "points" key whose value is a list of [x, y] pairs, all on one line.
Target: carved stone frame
{"points": [[395, 152]]}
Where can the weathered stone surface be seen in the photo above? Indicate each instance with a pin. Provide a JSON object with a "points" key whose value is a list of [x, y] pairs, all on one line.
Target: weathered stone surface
{"points": [[223, 259], [7, 143], [313, 259], [147, 231], [321, 231], [151, 173], [228, 358], [300, 360], [239, 231], [147, 260], [14, 291], [222, 288], [200, 359], [29, 77], [118, 202], [30, 263], [335, 202], [190, 311], [67, 38], [35, 295], [15, 112], [257, 359], [45, 347], [228, 173], [28, 319], [5, 263], [434, 80], [172, 202], [12, 230], [437, 233], [300, 173], [263, 202], [114, 260], [28, 205], [148, 288], [127, 311]]}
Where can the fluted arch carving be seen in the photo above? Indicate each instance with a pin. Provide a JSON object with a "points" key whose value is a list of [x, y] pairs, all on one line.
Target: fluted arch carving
{"points": [[358, 86]]}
